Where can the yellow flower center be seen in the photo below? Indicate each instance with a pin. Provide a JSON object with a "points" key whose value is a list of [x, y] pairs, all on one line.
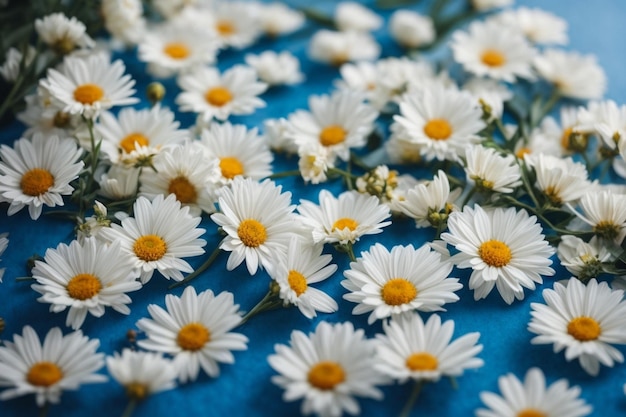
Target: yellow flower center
{"points": [[607, 229], [137, 390], [44, 374], [332, 135], [150, 248], [345, 222], [326, 375], [252, 233], [176, 50], [84, 286], [225, 28], [231, 167], [36, 182], [565, 138], [531, 412], [584, 328], [184, 190], [339, 58], [297, 282], [438, 129], [88, 93], [495, 253], [553, 194], [218, 96], [522, 152], [398, 291], [422, 361], [493, 58], [193, 336], [130, 142]]}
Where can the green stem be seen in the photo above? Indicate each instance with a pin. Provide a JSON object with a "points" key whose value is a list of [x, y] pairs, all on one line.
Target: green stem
{"points": [[408, 407], [292, 173], [270, 301], [389, 4], [468, 197], [200, 269], [318, 17], [130, 408], [356, 160], [43, 410], [24, 279], [342, 172]]}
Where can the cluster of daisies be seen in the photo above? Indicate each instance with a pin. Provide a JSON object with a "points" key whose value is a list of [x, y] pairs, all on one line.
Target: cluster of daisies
{"points": [[503, 187]]}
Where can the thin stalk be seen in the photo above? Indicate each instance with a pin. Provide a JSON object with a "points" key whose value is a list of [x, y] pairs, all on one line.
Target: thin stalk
{"points": [[43, 410], [130, 408], [284, 174], [270, 301], [408, 407], [200, 269]]}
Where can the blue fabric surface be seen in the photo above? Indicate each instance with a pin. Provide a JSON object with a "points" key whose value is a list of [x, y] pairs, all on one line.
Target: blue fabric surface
{"points": [[244, 389]]}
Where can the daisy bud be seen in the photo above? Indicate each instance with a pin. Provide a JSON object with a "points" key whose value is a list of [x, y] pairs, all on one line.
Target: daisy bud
{"points": [[155, 92]]}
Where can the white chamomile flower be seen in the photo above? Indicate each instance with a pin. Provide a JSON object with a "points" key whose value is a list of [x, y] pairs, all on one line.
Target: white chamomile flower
{"points": [[489, 49], [258, 221], [172, 48], [236, 24], [314, 162], [124, 20], [196, 330], [411, 29], [490, 94], [89, 85], [560, 138], [276, 135], [86, 278], [607, 119], [389, 284], [304, 264], [276, 69], [61, 363], [605, 212], [279, 19], [350, 15], [4, 243], [119, 182], [583, 259], [365, 78], [172, 8], [585, 320], [561, 180], [238, 151], [337, 48], [412, 349], [572, 74], [537, 25], [91, 226], [441, 121], [134, 134], [344, 219], [328, 368], [37, 172], [215, 95], [339, 122], [159, 235], [10, 69], [504, 247], [490, 171], [185, 171], [142, 373], [63, 34], [41, 116], [531, 398]]}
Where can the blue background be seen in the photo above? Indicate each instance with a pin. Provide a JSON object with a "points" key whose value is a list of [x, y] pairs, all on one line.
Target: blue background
{"points": [[244, 389]]}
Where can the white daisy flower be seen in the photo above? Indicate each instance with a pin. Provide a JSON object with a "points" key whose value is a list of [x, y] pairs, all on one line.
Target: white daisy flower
{"points": [[411, 29], [12, 66], [605, 212], [4, 243], [276, 69], [92, 225], [276, 135], [142, 373], [365, 78], [172, 8], [573, 75], [442, 121], [124, 20], [413, 349], [484, 5], [532, 398], [37, 172], [89, 85], [336, 48], [561, 180], [134, 134], [489, 170], [489, 49], [490, 94], [196, 330], [236, 24], [172, 48], [327, 369], [398, 75], [41, 116], [339, 122], [160, 234], [211, 94], [563, 137], [344, 219], [63, 34], [607, 119], [350, 15], [583, 259], [304, 264], [585, 320], [279, 19], [86, 278], [537, 25], [314, 162], [61, 363], [258, 220], [389, 284], [504, 247], [119, 182]]}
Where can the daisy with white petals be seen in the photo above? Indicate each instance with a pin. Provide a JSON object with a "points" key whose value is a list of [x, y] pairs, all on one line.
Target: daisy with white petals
{"points": [[61, 363], [327, 369], [411, 29], [350, 15], [86, 278], [63, 34], [37, 172], [196, 330], [583, 259], [490, 171], [504, 247], [412, 349], [585, 320], [215, 95], [236, 23], [160, 234], [398, 282], [276, 69], [605, 212], [279, 19], [532, 398], [538, 26], [337, 48], [561, 180]]}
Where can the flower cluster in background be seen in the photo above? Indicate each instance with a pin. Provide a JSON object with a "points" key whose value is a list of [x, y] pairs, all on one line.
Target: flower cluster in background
{"points": [[486, 137]]}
